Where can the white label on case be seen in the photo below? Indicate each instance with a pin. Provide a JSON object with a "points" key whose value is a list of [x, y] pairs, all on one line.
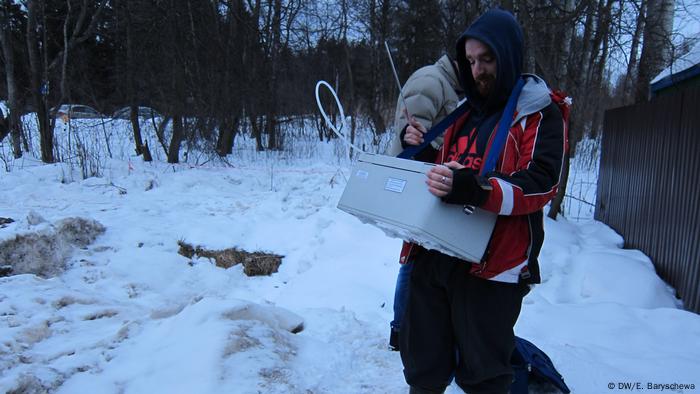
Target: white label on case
{"points": [[395, 185]]}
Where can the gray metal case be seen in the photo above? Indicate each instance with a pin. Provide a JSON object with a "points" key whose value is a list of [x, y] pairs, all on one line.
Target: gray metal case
{"points": [[391, 193]]}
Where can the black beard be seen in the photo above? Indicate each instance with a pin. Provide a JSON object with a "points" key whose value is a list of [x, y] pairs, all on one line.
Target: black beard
{"points": [[485, 84]]}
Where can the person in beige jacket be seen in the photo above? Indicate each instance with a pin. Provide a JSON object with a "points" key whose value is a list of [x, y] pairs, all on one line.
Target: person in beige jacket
{"points": [[431, 93]]}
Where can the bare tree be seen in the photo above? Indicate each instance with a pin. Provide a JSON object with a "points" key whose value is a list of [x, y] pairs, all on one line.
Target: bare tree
{"points": [[371, 89], [130, 72], [39, 83], [39, 65], [7, 41], [178, 94], [656, 51], [630, 76]]}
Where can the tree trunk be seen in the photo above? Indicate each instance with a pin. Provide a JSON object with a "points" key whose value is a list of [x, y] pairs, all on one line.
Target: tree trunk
{"points": [[257, 132], [130, 88], [630, 77], [351, 102], [599, 38], [529, 57], [179, 94], [36, 73], [558, 200], [147, 153], [656, 51], [178, 134], [136, 127], [4, 127], [565, 48], [597, 67], [271, 130], [65, 89], [271, 126], [160, 133], [13, 120], [587, 51], [227, 133]]}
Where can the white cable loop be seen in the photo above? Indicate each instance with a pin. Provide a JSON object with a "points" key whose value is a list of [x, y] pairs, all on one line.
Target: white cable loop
{"points": [[342, 115]]}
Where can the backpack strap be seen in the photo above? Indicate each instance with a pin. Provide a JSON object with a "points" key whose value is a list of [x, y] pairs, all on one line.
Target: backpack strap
{"points": [[434, 132], [501, 134], [564, 103], [494, 152]]}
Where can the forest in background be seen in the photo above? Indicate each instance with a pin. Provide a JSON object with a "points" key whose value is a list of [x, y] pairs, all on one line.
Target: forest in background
{"points": [[219, 68]]}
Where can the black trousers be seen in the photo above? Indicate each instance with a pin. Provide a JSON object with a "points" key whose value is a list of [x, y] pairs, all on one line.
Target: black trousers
{"points": [[458, 325]]}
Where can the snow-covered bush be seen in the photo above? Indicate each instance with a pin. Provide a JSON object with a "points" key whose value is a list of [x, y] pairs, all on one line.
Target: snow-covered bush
{"points": [[86, 146]]}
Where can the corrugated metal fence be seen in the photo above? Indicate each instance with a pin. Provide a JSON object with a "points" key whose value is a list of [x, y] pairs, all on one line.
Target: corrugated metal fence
{"points": [[649, 185]]}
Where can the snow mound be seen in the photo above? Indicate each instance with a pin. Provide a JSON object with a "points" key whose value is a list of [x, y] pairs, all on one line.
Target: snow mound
{"points": [[231, 342], [586, 264], [623, 277]]}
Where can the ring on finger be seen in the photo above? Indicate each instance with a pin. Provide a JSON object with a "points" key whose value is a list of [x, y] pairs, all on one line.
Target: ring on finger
{"points": [[443, 179]]}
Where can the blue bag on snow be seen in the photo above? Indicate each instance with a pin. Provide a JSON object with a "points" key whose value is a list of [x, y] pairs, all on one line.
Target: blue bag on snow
{"points": [[532, 365]]}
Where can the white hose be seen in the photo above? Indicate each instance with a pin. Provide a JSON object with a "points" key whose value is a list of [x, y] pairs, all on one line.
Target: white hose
{"points": [[342, 114]]}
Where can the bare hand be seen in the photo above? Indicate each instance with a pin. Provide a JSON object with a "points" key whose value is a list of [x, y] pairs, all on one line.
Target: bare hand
{"points": [[414, 131], [440, 178]]}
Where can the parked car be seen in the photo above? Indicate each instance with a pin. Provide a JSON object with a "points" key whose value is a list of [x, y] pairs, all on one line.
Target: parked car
{"points": [[143, 112], [75, 111]]}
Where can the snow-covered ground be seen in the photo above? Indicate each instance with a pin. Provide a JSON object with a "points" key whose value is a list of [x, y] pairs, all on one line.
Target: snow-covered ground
{"points": [[131, 315]]}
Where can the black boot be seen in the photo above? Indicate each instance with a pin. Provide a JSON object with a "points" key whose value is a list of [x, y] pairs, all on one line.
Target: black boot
{"points": [[394, 340], [418, 390]]}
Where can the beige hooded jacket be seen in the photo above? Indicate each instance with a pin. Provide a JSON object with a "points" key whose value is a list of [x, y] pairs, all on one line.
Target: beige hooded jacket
{"points": [[431, 94]]}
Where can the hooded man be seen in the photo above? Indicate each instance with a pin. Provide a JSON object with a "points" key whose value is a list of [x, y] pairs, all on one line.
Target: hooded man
{"points": [[460, 314]]}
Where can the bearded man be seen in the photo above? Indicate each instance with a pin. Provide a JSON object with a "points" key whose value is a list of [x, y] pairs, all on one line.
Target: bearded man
{"points": [[460, 314]]}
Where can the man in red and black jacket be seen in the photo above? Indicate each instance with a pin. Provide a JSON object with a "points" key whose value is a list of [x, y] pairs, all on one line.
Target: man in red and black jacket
{"points": [[472, 306]]}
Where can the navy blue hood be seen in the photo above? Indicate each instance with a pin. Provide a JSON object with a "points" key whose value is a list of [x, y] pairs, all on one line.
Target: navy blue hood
{"points": [[499, 30]]}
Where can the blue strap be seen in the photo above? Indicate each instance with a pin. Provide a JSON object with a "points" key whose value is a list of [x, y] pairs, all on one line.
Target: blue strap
{"points": [[435, 131], [502, 132], [498, 141]]}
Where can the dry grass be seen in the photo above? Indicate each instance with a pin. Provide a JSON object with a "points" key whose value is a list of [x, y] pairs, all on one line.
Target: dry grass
{"points": [[45, 252], [254, 263], [5, 221]]}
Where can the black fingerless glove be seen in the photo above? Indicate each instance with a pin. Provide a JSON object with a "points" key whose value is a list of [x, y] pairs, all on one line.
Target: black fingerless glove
{"points": [[468, 188]]}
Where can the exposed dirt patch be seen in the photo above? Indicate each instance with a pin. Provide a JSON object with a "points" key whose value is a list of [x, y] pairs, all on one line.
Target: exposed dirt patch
{"points": [[254, 263], [45, 252], [5, 221], [101, 315]]}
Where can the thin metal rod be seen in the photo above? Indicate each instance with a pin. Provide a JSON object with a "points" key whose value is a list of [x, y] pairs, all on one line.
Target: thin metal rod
{"points": [[396, 77]]}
